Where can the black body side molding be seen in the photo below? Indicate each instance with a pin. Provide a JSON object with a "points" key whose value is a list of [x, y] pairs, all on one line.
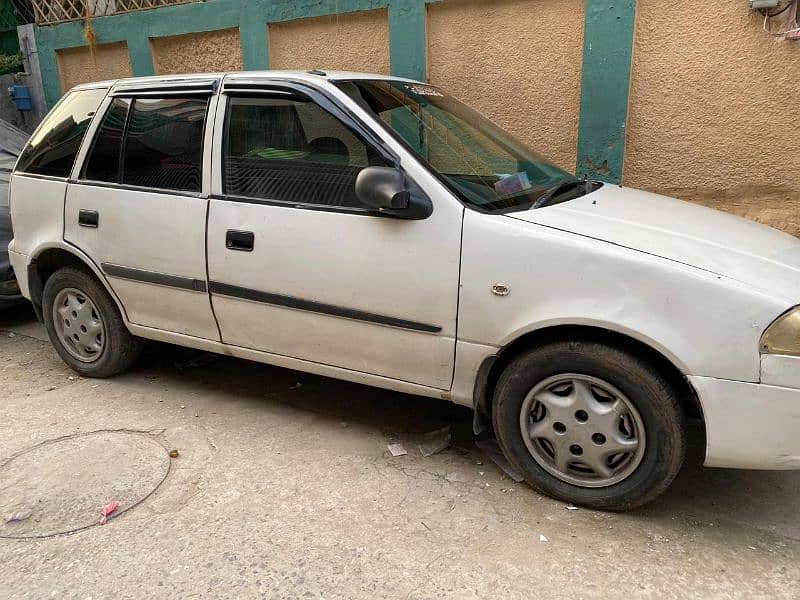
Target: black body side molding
{"points": [[233, 291], [176, 281]]}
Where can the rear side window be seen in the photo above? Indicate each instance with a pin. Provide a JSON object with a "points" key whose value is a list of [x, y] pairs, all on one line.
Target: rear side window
{"points": [[163, 145], [52, 150], [103, 161], [150, 142], [292, 150]]}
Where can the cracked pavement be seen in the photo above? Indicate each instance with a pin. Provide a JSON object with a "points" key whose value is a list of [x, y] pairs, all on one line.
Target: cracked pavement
{"points": [[287, 491]]}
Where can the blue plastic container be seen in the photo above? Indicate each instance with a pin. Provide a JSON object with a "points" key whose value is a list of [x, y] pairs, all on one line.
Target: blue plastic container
{"points": [[21, 97]]}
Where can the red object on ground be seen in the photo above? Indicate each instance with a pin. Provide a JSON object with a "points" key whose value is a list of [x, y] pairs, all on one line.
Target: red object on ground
{"points": [[106, 511]]}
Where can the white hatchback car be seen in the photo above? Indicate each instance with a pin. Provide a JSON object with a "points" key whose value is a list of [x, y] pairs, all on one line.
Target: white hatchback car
{"points": [[376, 230]]}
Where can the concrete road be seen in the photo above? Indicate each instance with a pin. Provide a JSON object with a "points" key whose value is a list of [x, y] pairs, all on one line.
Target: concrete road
{"points": [[284, 488]]}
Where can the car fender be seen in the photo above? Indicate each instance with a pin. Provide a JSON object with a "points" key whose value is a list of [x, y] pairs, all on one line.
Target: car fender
{"points": [[706, 324], [32, 276]]}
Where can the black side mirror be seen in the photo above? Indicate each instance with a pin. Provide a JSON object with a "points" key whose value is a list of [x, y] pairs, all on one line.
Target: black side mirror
{"points": [[386, 189]]}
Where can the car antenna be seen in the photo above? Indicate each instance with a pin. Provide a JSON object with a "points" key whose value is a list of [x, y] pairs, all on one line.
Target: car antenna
{"points": [[318, 72]]}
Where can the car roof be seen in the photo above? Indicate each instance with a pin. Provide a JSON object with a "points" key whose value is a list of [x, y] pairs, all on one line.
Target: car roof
{"points": [[250, 76]]}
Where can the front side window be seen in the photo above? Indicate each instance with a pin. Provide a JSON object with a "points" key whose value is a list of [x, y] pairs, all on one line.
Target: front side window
{"points": [[484, 165], [292, 150], [52, 150]]}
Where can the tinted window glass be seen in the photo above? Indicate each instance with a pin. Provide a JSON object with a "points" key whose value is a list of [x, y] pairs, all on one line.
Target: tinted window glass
{"points": [[164, 143], [293, 151], [53, 149], [103, 161]]}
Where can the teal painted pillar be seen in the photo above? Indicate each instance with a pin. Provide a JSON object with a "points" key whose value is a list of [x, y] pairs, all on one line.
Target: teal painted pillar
{"points": [[139, 53], [605, 86], [407, 39], [253, 37], [51, 80]]}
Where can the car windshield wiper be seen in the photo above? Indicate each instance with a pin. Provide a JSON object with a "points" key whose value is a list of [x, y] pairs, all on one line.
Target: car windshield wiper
{"points": [[549, 194]]}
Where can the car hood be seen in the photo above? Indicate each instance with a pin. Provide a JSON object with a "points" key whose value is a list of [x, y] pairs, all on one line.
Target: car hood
{"points": [[701, 237]]}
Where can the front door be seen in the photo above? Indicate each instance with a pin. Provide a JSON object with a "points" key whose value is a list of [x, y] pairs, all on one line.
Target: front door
{"points": [[299, 267], [138, 210]]}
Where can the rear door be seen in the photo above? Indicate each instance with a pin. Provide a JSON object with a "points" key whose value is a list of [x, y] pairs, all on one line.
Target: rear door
{"points": [[299, 267], [139, 205]]}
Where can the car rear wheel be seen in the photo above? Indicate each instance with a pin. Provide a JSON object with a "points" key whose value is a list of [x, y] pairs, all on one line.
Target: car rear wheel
{"points": [[590, 424], [85, 326]]}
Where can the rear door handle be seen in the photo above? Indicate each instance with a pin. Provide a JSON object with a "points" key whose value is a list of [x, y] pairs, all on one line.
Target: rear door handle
{"points": [[243, 241], [88, 218]]}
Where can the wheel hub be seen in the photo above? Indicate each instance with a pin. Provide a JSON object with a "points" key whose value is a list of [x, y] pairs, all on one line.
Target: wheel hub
{"points": [[582, 430], [78, 325]]}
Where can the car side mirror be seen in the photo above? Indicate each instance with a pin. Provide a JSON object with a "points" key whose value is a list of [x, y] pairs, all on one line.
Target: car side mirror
{"points": [[386, 189]]}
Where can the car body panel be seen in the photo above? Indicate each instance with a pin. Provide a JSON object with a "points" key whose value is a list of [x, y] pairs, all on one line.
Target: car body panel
{"points": [[708, 239], [706, 324], [748, 425]]}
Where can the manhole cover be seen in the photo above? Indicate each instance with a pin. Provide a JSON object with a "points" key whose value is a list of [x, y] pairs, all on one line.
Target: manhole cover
{"points": [[58, 486]]}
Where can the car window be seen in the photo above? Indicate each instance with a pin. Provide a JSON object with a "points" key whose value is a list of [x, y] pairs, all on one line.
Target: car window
{"points": [[52, 150], [103, 161], [163, 146], [292, 150]]}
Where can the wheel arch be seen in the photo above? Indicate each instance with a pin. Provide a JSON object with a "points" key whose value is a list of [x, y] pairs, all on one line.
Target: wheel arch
{"points": [[49, 259], [492, 366]]}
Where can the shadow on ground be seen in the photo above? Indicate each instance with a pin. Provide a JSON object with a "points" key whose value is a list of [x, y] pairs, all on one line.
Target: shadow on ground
{"points": [[721, 498]]}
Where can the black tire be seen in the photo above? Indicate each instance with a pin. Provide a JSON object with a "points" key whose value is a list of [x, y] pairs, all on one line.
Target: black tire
{"points": [[647, 389], [120, 349]]}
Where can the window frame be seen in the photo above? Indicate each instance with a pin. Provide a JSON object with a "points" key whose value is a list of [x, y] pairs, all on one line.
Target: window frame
{"points": [[157, 93], [287, 90]]}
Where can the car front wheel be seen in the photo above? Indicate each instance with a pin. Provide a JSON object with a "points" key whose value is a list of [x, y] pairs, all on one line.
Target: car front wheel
{"points": [[85, 326], [590, 424]]}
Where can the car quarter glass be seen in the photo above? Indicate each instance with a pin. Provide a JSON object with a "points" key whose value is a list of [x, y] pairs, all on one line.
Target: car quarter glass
{"points": [[292, 150], [103, 162], [53, 148]]}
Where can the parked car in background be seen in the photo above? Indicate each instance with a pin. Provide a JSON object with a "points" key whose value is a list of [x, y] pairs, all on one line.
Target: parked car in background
{"points": [[9, 290], [377, 230], [12, 141]]}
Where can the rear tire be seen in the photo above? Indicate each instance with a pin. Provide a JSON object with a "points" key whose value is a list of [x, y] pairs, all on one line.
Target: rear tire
{"points": [[590, 424], [85, 326]]}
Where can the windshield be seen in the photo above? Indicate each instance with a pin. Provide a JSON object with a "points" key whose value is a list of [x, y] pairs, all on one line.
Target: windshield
{"points": [[484, 165]]}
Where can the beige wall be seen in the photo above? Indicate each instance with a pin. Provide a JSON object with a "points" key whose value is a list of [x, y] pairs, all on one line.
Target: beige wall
{"points": [[349, 42], [714, 111], [518, 62], [76, 65], [197, 52]]}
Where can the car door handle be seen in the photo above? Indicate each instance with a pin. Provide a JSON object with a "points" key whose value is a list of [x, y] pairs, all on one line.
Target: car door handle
{"points": [[243, 241], [88, 218]]}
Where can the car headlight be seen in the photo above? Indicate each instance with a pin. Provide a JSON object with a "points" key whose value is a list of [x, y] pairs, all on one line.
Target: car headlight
{"points": [[783, 336]]}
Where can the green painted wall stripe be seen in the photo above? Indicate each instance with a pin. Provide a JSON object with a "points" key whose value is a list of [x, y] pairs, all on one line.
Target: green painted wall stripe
{"points": [[407, 39], [140, 55], [253, 38], [605, 85], [406, 31]]}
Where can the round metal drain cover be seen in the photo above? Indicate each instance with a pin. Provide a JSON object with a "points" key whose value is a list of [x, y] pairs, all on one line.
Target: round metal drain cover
{"points": [[60, 485]]}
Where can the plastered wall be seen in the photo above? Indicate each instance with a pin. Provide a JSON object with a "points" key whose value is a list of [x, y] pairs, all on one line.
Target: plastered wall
{"points": [[209, 51], [75, 65], [714, 111], [518, 62], [350, 42]]}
